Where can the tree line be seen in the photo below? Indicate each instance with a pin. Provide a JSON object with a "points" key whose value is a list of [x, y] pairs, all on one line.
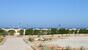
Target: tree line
{"points": [[50, 31]]}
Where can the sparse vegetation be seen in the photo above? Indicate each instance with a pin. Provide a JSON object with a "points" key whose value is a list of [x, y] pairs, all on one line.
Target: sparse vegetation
{"points": [[31, 39], [1, 38], [21, 32], [29, 31], [68, 48], [83, 31], [82, 48], [3, 32], [11, 32]]}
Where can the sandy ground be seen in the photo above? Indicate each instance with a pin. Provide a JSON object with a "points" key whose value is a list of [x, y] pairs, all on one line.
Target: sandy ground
{"points": [[74, 42], [15, 43]]}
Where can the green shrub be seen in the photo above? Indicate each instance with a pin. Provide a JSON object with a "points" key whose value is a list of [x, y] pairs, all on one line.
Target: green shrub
{"points": [[68, 48], [21, 32], [11, 32], [45, 48], [29, 31], [1, 38], [31, 39], [82, 48]]}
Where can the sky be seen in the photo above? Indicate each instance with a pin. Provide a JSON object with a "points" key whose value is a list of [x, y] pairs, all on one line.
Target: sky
{"points": [[43, 13]]}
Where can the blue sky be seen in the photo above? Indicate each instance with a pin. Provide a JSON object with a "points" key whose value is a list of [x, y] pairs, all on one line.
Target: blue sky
{"points": [[43, 13]]}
